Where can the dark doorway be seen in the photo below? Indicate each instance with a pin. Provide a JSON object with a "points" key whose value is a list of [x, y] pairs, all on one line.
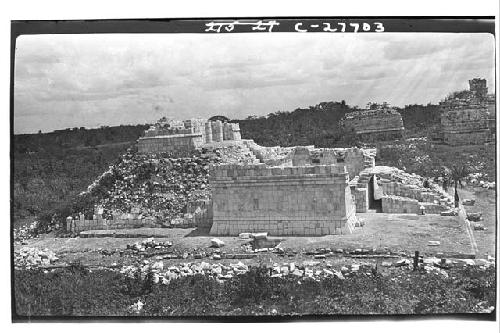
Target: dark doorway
{"points": [[372, 203]]}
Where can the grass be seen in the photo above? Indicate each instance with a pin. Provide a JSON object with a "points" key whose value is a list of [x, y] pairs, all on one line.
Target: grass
{"points": [[78, 292]]}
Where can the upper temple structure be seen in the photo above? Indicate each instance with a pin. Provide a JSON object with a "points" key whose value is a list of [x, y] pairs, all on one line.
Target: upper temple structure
{"points": [[184, 136], [468, 117], [379, 122]]}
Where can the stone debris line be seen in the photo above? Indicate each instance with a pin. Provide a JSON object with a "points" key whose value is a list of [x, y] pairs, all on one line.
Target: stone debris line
{"points": [[480, 179], [149, 243], [32, 258], [25, 232], [311, 269]]}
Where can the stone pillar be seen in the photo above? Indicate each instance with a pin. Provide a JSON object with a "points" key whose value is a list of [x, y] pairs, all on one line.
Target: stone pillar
{"points": [[235, 129], [208, 132], [217, 131], [227, 131], [69, 224]]}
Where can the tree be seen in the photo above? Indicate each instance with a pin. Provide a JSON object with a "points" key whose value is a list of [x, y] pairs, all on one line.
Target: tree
{"points": [[458, 172]]}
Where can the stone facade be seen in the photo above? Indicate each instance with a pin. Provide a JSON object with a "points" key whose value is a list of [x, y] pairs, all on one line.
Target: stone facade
{"points": [[466, 116], [300, 200], [175, 136], [377, 124], [354, 159]]}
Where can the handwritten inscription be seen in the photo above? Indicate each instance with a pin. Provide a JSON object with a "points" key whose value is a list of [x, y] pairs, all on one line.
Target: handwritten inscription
{"points": [[229, 26], [268, 25]]}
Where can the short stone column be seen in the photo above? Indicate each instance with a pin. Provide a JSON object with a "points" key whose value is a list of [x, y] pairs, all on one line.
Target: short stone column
{"points": [[208, 132], [217, 131]]}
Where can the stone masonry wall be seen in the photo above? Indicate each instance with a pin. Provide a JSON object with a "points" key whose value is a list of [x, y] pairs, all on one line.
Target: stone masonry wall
{"points": [[194, 134], [172, 143], [462, 126], [79, 225], [354, 159], [302, 201], [399, 205], [374, 124]]}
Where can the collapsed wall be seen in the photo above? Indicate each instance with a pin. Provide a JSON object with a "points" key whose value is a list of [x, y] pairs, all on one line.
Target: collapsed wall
{"points": [[354, 159], [377, 124], [299, 201], [174, 136], [466, 116]]}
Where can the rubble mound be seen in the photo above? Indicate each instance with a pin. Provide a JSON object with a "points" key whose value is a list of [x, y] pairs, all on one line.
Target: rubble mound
{"points": [[160, 186], [33, 258]]}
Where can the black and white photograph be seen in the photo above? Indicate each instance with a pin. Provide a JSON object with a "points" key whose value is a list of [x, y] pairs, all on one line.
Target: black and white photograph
{"points": [[253, 169]]}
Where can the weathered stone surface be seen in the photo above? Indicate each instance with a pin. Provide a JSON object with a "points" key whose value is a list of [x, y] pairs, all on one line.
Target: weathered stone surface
{"points": [[305, 200], [377, 124], [465, 116], [175, 136]]}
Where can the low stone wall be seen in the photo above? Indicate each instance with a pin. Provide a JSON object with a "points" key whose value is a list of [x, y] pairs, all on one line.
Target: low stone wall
{"points": [[172, 143], [361, 199], [399, 205], [301, 201], [78, 225]]}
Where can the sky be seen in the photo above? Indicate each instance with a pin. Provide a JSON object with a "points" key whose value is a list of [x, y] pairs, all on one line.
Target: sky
{"points": [[63, 81]]}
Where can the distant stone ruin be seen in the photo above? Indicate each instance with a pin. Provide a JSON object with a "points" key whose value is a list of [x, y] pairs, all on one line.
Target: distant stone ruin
{"points": [[378, 124], [185, 136], [468, 117]]}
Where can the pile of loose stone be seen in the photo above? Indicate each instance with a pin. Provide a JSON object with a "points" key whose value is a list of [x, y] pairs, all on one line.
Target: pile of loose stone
{"points": [[25, 232], [149, 243], [161, 185], [315, 270], [31, 258]]}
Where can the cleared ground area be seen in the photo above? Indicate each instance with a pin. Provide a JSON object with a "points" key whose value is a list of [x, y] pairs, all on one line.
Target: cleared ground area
{"points": [[387, 233]]}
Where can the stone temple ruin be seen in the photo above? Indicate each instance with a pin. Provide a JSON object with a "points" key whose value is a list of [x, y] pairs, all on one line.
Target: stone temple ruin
{"points": [[381, 123], [184, 136], [468, 117], [314, 192], [294, 191]]}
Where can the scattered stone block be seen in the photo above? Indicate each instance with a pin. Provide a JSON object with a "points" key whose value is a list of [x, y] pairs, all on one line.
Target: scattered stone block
{"points": [[479, 226], [434, 243], [448, 213], [260, 235], [468, 202], [215, 242], [474, 217]]}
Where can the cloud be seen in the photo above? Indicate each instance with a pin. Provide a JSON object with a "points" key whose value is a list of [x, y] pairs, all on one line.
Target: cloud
{"points": [[86, 80]]}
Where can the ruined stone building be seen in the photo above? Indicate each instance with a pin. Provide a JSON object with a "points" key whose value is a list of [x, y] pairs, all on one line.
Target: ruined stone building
{"points": [[314, 191], [184, 136], [468, 117], [383, 123]]}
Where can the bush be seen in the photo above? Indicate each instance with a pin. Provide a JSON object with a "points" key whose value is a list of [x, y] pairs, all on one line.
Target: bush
{"points": [[78, 291]]}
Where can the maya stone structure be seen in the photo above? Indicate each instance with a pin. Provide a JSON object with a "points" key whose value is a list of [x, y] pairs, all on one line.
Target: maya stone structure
{"points": [[314, 191], [292, 200], [381, 123], [185, 136], [468, 117]]}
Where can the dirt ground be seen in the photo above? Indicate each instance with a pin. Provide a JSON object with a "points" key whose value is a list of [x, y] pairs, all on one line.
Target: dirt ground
{"points": [[394, 233], [486, 204]]}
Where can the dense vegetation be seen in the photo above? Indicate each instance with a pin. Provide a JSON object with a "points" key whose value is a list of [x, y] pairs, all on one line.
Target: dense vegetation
{"points": [[319, 125], [51, 169], [77, 292]]}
